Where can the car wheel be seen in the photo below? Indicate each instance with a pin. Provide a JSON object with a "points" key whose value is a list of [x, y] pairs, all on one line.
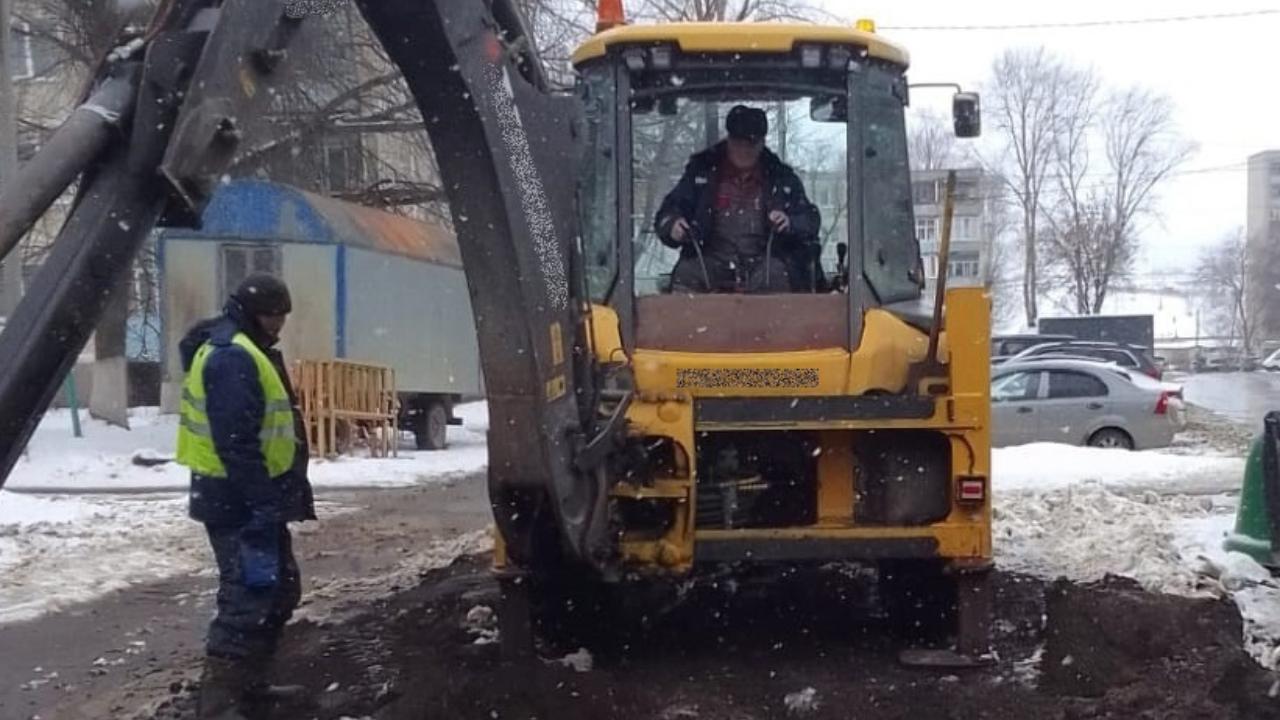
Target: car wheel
{"points": [[1111, 438]]}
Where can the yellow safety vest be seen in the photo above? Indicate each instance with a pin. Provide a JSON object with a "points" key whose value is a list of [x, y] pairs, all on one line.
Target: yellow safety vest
{"points": [[195, 440]]}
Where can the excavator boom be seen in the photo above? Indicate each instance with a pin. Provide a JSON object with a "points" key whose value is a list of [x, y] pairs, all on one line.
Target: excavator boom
{"points": [[503, 144]]}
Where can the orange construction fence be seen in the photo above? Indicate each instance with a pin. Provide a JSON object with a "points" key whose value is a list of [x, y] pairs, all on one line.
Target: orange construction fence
{"points": [[346, 405]]}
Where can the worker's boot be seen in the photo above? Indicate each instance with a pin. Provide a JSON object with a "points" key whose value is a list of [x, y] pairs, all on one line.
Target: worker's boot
{"points": [[222, 689], [286, 694], [259, 690]]}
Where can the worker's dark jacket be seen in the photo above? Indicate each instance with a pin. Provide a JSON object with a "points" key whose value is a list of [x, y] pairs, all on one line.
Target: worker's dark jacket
{"points": [[694, 199], [247, 496]]}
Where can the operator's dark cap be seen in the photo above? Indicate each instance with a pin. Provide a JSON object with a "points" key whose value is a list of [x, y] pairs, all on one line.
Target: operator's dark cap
{"points": [[263, 294], [747, 123]]}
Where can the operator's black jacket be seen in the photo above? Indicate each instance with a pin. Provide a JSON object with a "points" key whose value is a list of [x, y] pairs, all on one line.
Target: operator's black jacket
{"points": [[694, 199], [247, 496]]}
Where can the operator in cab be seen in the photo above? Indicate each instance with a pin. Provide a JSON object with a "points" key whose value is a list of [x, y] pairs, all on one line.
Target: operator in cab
{"points": [[744, 208]]}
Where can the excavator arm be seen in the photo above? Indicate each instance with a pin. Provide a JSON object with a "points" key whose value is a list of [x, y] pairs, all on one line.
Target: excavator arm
{"points": [[504, 147]]}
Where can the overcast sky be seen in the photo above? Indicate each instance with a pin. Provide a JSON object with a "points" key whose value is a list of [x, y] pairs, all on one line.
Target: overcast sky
{"points": [[1223, 76]]}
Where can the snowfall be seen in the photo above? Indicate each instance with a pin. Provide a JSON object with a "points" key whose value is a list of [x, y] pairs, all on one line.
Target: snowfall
{"points": [[81, 517]]}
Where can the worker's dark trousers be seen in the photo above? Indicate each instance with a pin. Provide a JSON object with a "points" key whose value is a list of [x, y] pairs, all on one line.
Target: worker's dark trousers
{"points": [[249, 621]]}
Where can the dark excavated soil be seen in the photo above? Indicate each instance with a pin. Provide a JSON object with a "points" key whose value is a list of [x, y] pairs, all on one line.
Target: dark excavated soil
{"points": [[1107, 650]]}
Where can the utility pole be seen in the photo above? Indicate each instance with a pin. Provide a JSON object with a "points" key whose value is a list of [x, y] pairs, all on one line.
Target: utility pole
{"points": [[11, 281]]}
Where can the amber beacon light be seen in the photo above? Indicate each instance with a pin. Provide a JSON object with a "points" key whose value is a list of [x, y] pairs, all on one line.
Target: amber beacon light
{"points": [[610, 15]]}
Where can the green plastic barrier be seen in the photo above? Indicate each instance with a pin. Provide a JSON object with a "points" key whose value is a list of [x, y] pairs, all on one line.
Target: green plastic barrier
{"points": [[1257, 531], [1252, 535]]}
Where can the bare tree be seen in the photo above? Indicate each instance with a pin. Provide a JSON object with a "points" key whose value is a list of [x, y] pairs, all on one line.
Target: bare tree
{"points": [[1092, 238], [10, 268], [729, 10], [1143, 148], [348, 127], [999, 250], [1077, 218], [1264, 262], [931, 140], [77, 34], [1023, 98], [1223, 277], [1083, 253], [558, 26]]}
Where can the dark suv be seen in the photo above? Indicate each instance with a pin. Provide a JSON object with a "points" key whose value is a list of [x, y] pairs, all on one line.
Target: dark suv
{"points": [[1009, 345], [1126, 356]]}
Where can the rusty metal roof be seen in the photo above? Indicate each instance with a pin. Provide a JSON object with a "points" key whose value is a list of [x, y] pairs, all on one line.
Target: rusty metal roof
{"points": [[261, 211]]}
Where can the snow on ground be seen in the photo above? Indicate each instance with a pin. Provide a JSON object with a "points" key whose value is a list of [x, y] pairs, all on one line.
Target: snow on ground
{"points": [[1250, 585], [1045, 466], [59, 550], [1086, 531], [98, 522], [103, 460]]}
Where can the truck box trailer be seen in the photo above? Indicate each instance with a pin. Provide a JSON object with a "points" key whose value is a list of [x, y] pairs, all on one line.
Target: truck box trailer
{"points": [[1137, 330], [367, 286]]}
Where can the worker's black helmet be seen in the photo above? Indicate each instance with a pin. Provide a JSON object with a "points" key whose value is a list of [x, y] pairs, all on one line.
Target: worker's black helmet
{"points": [[747, 123], [263, 294]]}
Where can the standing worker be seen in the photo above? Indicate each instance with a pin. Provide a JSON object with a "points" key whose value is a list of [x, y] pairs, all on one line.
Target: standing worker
{"points": [[242, 437]]}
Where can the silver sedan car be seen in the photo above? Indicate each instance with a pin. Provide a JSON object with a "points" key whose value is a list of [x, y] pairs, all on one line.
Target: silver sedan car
{"points": [[1079, 403]]}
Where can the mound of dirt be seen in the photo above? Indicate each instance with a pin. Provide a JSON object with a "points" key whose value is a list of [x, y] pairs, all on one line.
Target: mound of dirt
{"points": [[794, 647], [1107, 641]]}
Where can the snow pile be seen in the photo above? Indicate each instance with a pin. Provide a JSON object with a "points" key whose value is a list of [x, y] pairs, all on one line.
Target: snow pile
{"points": [[64, 546], [23, 513], [1086, 531], [56, 460], [482, 624], [580, 660], [466, 454], [801, 702], [57, 551], [1047, 466], [110, 459], [1260, 608], [1250, 585]]}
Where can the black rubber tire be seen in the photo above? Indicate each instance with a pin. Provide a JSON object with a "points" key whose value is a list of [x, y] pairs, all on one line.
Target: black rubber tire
{"points": [[1111, 438], [431, 427], [919, 599]]}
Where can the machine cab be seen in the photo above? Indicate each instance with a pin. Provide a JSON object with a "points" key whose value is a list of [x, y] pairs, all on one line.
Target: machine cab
{"points": [[834, 161]]}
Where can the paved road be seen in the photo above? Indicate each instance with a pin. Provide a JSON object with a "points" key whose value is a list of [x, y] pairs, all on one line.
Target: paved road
{"points": [[1242, 397]]}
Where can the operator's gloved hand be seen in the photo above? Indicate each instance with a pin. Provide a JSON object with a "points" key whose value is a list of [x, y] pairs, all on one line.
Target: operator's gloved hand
{"points": [[259, 559]]}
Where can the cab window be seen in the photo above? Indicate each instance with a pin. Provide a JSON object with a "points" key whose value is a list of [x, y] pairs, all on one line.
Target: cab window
{"points": [[598, 182]]}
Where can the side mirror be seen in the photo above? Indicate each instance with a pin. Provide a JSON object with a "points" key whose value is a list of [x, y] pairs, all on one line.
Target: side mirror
{"points": [[966, 113], [829, 109]]}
